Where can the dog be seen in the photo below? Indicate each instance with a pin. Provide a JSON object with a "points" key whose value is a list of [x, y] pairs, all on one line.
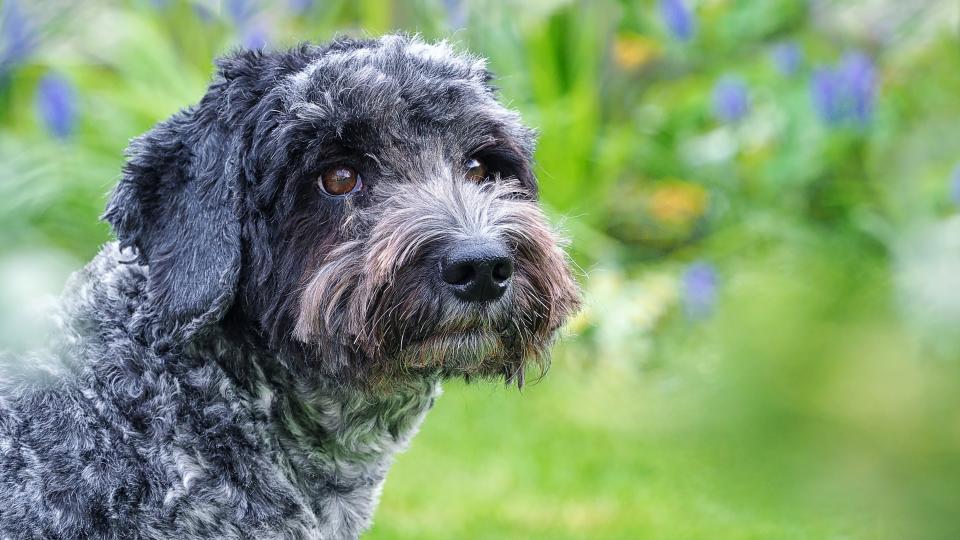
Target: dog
{"points": [[301, 258]]}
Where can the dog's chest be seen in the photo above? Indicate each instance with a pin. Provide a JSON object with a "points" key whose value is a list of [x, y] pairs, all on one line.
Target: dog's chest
{"points": [[349, 442], [316, 460]]}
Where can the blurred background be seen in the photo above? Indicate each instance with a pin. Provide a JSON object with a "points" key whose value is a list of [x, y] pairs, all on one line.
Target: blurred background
{"points": [[764, 200]]}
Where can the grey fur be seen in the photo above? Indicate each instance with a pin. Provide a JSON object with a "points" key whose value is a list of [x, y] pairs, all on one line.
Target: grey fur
{"points": [[248, 357]]}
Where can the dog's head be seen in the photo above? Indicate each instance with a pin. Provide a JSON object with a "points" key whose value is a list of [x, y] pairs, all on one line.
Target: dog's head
{"points": [[367, 206]]}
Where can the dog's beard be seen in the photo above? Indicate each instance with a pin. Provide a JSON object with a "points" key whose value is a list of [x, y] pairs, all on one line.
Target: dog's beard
{"points": [[467, 340], [465, 352], [408, 329], [379, 295]]}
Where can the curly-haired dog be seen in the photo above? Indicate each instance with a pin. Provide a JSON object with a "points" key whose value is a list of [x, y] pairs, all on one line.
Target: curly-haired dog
{"points": [[302, 257]]}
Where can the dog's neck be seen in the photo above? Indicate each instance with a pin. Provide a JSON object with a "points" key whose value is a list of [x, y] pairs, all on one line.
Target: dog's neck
{"points": [[335, 442], [315, 407], [309, 411]]}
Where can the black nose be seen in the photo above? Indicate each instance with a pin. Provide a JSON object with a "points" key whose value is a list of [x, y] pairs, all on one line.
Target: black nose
{"points": [[477, 271]]}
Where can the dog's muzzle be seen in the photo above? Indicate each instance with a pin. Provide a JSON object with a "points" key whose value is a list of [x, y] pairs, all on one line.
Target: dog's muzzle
{"points": [[447, 276]]}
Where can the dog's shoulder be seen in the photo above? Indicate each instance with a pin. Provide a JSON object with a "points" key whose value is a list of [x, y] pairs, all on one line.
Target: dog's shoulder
{"points": [[108, 294], [59, 443], [105, 435], [99, 308]]}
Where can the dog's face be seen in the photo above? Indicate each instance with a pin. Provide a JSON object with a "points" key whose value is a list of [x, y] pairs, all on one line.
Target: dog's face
{"points": [[384, 206]]}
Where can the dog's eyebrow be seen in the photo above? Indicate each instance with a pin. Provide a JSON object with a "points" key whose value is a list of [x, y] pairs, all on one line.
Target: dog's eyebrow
{"points": [[374, 158], [309, 111], [486, 142]]}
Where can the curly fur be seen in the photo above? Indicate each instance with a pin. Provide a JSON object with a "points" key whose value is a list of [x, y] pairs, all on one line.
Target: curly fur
{"points": [[248, 357]]}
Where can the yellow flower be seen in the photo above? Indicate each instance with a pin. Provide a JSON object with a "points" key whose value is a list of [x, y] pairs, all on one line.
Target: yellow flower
{"points": [[678, 202], [633, 51]]}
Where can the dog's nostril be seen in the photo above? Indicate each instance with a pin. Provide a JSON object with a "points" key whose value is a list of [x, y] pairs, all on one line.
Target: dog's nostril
{"points": [[459, 273], [477, 271], [503, 270]]}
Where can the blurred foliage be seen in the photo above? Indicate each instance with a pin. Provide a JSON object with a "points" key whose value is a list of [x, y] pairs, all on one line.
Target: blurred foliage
{"points": [[763, 197]]}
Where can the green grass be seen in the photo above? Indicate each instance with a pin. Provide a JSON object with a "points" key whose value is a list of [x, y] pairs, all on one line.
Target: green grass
{"points": [[570, 457]]}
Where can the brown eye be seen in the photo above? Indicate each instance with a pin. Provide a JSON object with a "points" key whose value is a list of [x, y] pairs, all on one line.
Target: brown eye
{"points": [[475, 170], [340, 180]]}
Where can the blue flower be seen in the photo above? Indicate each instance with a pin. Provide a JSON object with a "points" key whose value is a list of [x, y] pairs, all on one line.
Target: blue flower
{"points": [[252, 31], [678, 19], [787, 56], [300, 6], [955, 186], [255, 36], [240, 11], [845, 93], [826, 89], [203, 13], [699, 289], [17, 35], [57, 105], [731, 99], [456, 13], [859, 76]]}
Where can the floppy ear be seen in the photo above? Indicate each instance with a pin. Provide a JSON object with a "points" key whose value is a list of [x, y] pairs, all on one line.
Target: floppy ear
{"points": [[181, 194], [177, 206]]}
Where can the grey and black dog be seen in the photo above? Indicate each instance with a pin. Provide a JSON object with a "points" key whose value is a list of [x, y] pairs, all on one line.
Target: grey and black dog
{"points": [[303, 256]]}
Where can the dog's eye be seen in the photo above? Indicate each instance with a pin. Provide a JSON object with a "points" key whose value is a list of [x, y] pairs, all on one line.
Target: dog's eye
{"points": [[340, 180], [475, 170]]}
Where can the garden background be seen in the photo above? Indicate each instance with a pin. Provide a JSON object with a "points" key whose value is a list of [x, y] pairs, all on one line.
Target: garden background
{"points": [[763, 198]]}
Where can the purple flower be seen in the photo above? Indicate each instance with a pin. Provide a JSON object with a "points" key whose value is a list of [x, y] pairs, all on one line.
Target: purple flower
{"points": [[678, 19], [240, 11], [255, 36], [252, 31], [845, 93], [17, 35], [955, 186], [731, 99], [203, 13], [300, 6], [456, 13], [699, 289], [57, 105], [826, 90], [859, 77], [787, 56]]}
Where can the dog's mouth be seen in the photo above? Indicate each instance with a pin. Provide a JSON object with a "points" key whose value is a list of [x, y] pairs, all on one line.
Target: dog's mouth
{"points": [[473, 351]]}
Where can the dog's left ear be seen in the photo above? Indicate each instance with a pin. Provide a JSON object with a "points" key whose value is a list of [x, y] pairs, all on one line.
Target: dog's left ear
{"points": [[176, 205]]}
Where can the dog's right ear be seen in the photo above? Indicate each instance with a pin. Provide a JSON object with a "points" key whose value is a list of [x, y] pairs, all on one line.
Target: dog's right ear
{"points": [[179, 200]]}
